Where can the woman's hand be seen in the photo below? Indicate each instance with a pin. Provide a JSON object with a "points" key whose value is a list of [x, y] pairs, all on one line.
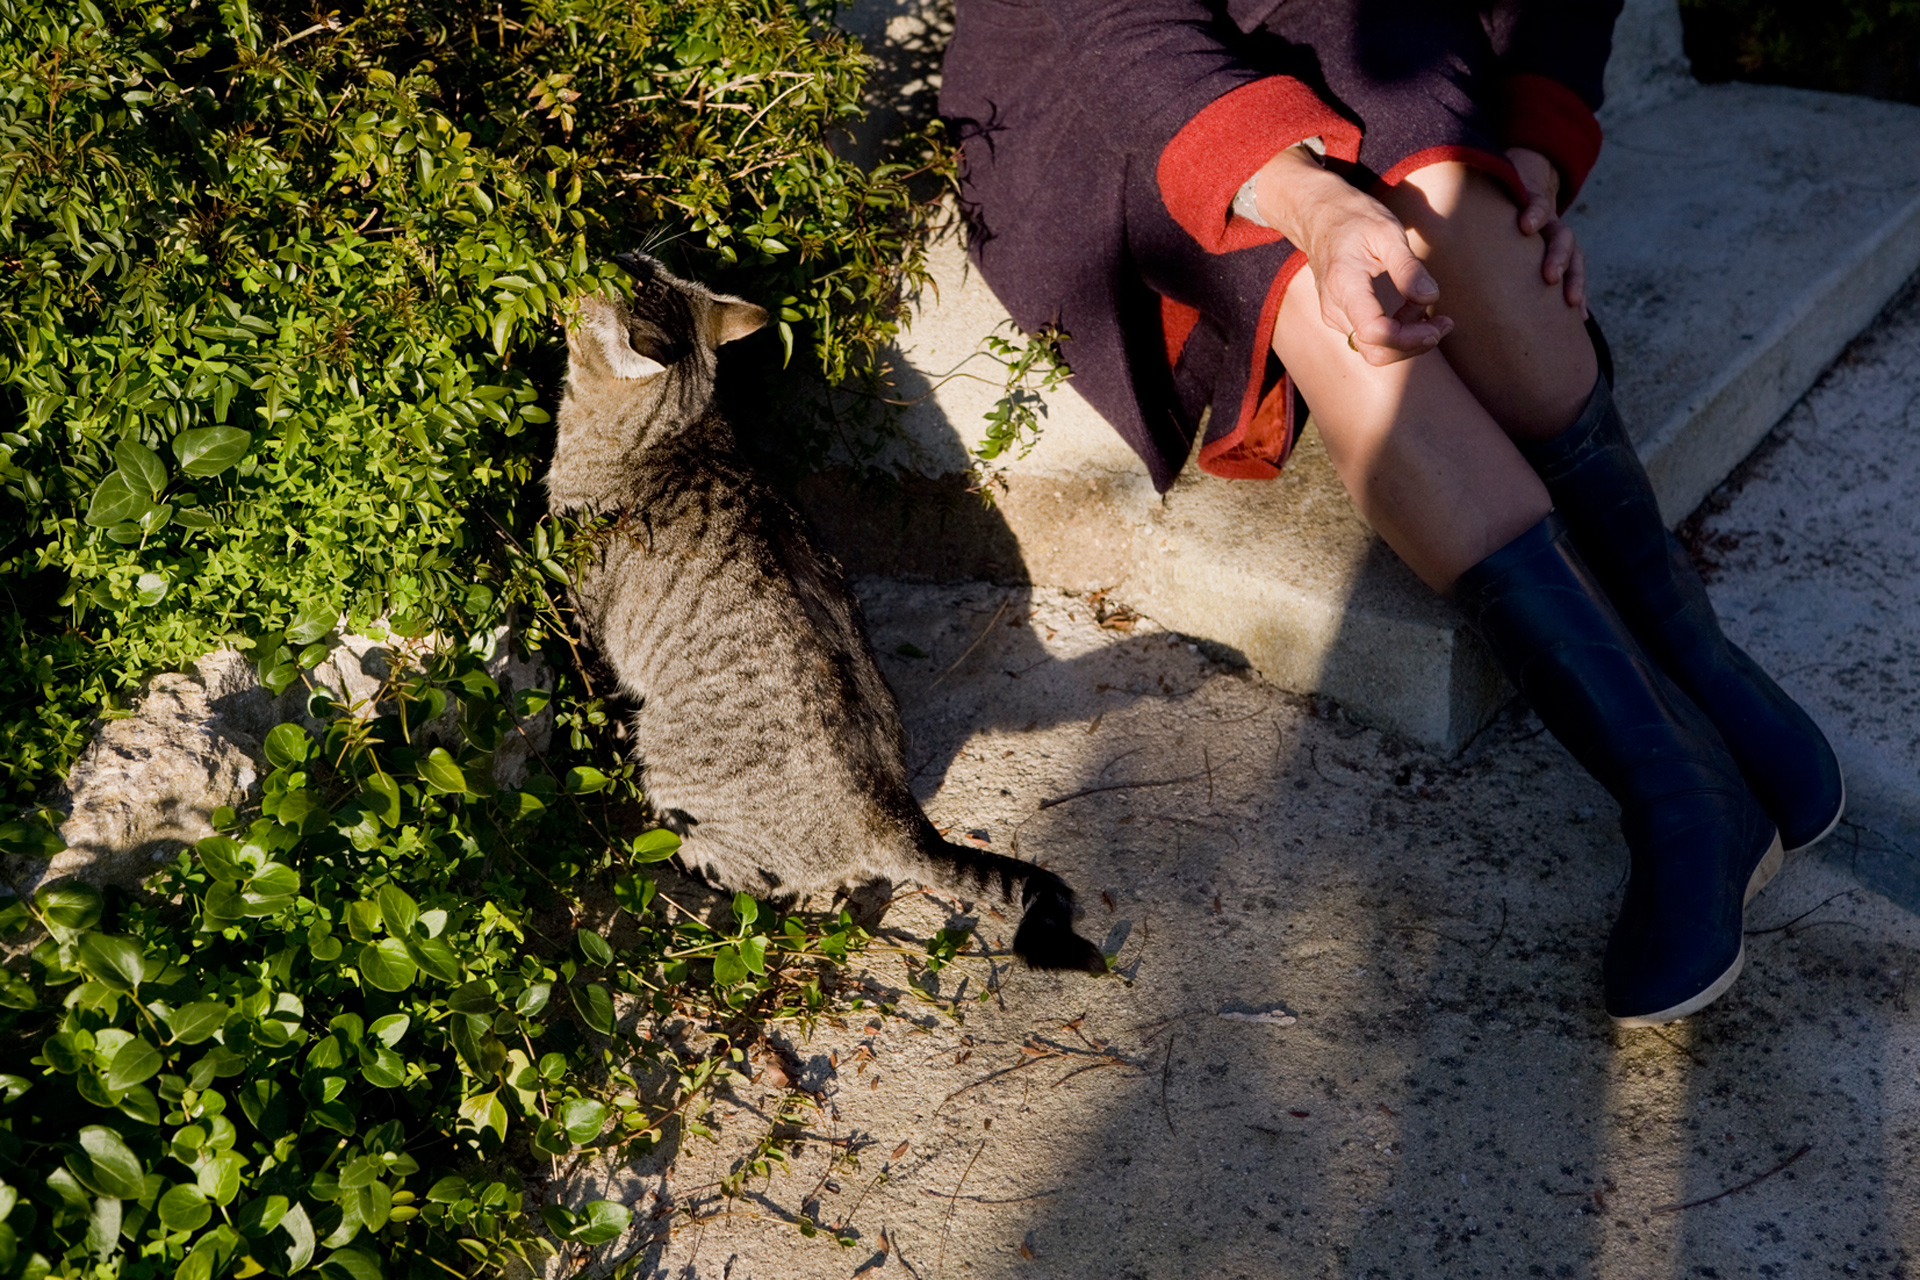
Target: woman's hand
{"points": [[1563, 263], [1373, 291]]}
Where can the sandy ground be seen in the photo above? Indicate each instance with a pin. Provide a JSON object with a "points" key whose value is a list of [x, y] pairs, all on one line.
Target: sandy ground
{"points": [[1355, 1029]]}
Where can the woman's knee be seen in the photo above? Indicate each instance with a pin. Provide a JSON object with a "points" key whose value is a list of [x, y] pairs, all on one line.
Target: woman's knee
{"points": [[1517, 341]]}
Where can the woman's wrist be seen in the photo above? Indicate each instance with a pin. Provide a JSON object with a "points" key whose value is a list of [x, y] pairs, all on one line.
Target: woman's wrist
{"points": [[1296, 196]]}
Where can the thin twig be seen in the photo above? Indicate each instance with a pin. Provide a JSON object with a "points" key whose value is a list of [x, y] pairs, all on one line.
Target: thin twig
{"points": [[1780, 928], [976, 642], [951, 1195], [1166, 1074], [1118, 786], [940, 1267], [1753, 1181]]}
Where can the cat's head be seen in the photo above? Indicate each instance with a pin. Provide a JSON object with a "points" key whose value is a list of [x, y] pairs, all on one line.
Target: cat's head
{"points": [[670, 326]]}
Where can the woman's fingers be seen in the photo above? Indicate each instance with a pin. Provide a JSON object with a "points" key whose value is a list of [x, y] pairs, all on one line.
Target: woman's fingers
{"points": [[1577, 281], [1559, 254], [1536, 213]]}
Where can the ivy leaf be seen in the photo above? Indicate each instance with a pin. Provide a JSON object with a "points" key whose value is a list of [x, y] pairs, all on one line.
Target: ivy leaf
{"points": [[602, 1222], [441, 774], [109, 1168], [313, 621], [728, 967], [382, 796], [485, 1111], [207, 451], [583, 1118], [584, 779], [386, 965], [435, 958], [195, 1022], [595, 1006], [115, 961], [118, 500], [397, 909], [134, 1062], [141, 465], [299, 1229], [288, 745], [220, 855], [594, 947], [72, 906], [184, 1208], [655, 846], [352, 1263]]}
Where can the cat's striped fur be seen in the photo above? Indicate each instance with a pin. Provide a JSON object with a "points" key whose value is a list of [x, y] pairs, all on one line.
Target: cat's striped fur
{"points": [[764, 728]]}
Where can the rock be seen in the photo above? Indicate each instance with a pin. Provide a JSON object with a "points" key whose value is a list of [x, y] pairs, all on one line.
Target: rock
{"points": [[149, 782]]}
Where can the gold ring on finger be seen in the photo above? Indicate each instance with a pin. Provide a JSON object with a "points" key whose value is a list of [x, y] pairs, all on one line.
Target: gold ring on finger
{"points": [[1351, 344]]}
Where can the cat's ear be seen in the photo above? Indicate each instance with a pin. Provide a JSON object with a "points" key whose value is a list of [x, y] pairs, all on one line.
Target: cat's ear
{"points": [[734, 318], [603, 328]]}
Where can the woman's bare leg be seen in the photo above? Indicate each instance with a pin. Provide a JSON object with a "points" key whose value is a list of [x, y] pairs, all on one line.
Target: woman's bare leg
{"points": [[1429, 468], [1516, 344]]}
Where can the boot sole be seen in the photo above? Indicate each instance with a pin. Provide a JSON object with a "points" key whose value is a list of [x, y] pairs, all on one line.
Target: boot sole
{"points": [[1769, 867], [1832, 823]]}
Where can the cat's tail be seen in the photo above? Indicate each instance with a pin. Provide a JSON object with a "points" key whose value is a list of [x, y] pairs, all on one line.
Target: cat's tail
{"points": [[1045, 938]]}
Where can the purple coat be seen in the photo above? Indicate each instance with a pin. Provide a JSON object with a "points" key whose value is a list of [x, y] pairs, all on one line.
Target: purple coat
{"points": [[1103, 142]]}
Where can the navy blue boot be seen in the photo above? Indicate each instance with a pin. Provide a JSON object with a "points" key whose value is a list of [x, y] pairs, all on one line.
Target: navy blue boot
{"points": [[1599, 487], [1700, 844]]}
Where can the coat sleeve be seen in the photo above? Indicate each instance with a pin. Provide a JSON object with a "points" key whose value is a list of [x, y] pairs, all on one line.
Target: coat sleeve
{"points": [[1160, 79], [1554, 54]]}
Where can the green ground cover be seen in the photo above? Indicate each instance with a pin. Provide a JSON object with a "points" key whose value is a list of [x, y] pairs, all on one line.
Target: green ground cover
{"points": [[279, 304]]}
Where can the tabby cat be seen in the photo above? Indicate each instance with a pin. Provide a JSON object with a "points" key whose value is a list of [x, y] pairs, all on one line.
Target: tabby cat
{"points": [[766, 734]]}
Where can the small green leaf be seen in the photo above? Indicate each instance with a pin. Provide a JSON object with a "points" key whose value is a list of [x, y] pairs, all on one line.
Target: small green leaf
{"points": [[448, 1190], [398, 910], [111, 1169], [583, 780], [141, 465], [322, 943], [594, 947], [115, 961], [745, 909], [299, 1229], [435, 958], [260, 1215], [184, 1208], [288, 745], [150, 589], [198, 1021], [583, 1118], [485, 1111], [352, 1263], [441, 774], [314, 620], [119, 500], [73, 906], [602, 1222], [475, 997], [728, 967], [596, 1007], [134, 1062], [207, 451], [220, 855], [382, 796], [386, 965], [655, 846], [391, 1029]]}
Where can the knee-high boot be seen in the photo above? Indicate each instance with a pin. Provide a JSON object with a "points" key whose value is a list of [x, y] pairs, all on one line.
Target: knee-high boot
{"points": [[1599, 487], [1700, 844]]}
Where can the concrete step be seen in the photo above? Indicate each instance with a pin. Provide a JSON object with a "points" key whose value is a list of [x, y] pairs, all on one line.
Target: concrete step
{"points": [[1739, 236]]}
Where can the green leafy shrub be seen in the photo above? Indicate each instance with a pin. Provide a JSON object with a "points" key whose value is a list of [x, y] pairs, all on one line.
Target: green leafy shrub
{"points": [[1854, 46], [277, 313], [337, 1034]]}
